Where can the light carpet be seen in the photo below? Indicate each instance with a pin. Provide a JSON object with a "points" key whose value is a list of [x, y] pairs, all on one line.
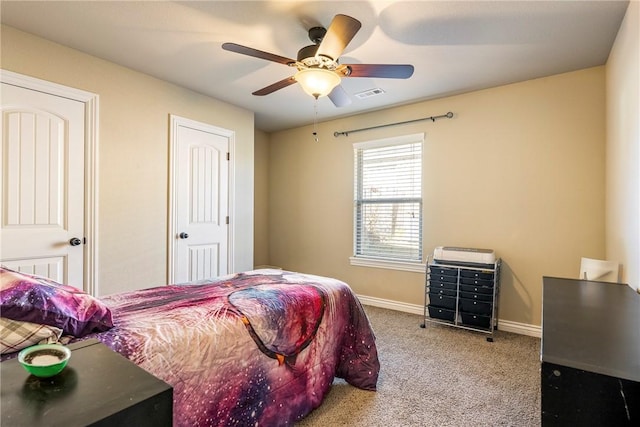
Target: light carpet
{"points": [[439, 376]]}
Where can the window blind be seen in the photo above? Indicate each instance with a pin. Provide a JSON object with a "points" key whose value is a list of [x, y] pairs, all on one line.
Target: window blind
{"points": [[388, 201]]}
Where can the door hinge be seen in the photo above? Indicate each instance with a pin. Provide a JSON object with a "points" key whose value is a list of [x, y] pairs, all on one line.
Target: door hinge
{"points": [[228, 156], [227, 220]]}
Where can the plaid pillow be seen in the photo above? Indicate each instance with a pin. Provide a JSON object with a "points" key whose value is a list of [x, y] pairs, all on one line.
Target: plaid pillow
{"points": [[16, 335]]}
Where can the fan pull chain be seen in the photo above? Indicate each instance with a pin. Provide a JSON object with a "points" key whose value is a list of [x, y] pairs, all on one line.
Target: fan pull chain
{"points": [[315, 121]]}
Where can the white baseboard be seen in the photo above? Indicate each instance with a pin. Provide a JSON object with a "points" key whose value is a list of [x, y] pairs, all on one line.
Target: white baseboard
{"points": [[503, 325], [520, 328], [391, 305]]}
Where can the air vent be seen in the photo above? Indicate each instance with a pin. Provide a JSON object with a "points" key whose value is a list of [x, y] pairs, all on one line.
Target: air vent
{"points": [[369, 93]]}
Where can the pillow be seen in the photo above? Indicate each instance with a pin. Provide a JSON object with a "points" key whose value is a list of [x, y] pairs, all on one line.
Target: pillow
{"points": [[36, 299], [16, 335]]}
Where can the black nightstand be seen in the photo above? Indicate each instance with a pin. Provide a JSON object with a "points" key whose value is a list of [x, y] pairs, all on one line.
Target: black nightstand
{"points": [[98, 387]]}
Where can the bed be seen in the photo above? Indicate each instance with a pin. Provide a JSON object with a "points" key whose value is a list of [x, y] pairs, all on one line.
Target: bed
{"points": [[255, 348]]}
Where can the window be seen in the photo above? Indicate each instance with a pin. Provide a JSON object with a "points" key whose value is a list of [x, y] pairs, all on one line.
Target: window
{"points": [[388, 203]]}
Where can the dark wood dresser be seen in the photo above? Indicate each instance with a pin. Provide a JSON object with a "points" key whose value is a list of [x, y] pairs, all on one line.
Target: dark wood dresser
{"points": [[590, 353], [97, 388]]}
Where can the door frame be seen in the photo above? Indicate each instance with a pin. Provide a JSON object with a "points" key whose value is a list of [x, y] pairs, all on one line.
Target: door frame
{"points": [[91, 119], [174, 123]]}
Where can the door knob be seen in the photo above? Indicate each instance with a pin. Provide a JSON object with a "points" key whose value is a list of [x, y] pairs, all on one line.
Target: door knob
{"points": [[75, 241], [183, 235]]}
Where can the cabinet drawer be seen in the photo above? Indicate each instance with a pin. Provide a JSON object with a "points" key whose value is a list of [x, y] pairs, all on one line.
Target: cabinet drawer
{"points": [[475, 306], [476, 296], [442, 301], [443, 271], [476, 289], [443, 278], [435, 284], [476, 320], [442, 291], [475, 282], [477, 274], [441, 313]]}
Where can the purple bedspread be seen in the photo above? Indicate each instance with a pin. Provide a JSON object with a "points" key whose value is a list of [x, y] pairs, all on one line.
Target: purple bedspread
{"points": [[255, 348]]}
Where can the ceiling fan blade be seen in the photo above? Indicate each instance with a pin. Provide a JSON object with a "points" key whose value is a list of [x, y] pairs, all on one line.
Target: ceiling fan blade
{"points": [[275, 86], [339, 97], [233, 47], [340, 32], [389, 71]]}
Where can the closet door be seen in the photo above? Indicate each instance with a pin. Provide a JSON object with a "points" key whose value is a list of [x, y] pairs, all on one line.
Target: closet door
{"points": [[42, 184], [199, 240]]}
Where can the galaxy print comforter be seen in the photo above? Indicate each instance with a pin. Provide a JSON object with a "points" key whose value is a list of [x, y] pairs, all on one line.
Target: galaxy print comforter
{"points": [[259, 348]]}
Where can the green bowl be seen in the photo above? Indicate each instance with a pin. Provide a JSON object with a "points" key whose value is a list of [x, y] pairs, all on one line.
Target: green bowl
{"points": [[44, 360]]}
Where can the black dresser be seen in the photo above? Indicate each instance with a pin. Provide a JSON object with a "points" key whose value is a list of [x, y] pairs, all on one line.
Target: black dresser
{"points": [[590, 353], [97, 388]]}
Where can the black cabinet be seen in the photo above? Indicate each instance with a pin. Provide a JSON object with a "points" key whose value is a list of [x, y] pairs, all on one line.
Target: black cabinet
{"points": [[97, 388], [582, 398], [463, 295], [590, 353]]}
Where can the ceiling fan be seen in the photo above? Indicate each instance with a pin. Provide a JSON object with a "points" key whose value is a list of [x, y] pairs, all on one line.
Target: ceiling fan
{"points": [[319, 72]]}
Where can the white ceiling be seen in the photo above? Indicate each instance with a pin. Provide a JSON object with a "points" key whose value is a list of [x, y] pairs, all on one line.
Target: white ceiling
{"points": [[455, 46]]}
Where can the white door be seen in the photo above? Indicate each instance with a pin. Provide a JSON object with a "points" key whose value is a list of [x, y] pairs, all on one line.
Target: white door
{"points": [[42, 184], [200, 232]]}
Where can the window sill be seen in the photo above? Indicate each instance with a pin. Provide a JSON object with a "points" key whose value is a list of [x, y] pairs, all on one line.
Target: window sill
{"points": [[415, 267]]}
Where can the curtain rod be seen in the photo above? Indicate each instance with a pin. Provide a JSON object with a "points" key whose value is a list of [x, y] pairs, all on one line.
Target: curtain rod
{"points": [[432, 118]]}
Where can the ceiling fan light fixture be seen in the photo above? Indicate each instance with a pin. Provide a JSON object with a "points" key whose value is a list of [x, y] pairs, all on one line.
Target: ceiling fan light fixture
{"points": [[317, 82]]}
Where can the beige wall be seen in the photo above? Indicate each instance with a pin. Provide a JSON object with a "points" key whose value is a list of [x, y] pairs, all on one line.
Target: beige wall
{"points": [[261, 200], [623, 148], [520, 169], [133, 156]]}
